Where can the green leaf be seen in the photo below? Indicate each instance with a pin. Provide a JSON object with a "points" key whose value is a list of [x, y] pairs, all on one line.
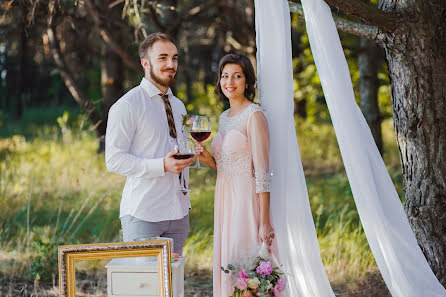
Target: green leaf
{"points": [[185, 119]]}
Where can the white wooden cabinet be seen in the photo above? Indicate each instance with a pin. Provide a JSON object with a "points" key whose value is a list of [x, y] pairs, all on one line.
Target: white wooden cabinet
{"points": [[138, 277]]}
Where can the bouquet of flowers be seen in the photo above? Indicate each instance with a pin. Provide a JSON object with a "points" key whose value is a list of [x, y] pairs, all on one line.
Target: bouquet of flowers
{"points": [[262, 279]]}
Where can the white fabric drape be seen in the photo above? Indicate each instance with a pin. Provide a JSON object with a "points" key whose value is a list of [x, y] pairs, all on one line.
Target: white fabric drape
{"points": [[399, 258], [291, 213]]}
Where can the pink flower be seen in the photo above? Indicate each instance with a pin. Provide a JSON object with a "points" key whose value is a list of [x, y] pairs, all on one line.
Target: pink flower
{"points": [[241, 284], [246, 294], [281, 284], [242, 274], [190, 120], [264, 268], [276, 291]]}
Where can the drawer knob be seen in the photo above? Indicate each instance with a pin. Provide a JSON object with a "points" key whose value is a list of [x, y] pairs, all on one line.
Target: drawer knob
{"points": [[142, 285]]}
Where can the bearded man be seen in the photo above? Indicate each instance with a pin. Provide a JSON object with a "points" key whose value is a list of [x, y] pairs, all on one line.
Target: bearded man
{"points": [[143, 127]]}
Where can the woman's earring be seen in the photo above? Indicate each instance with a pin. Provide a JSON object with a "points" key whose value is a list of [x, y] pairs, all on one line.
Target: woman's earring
{"points": [[255, 85]]}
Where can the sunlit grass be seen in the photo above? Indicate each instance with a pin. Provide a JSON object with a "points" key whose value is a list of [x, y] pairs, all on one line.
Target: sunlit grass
{"points": [[54, 189]]}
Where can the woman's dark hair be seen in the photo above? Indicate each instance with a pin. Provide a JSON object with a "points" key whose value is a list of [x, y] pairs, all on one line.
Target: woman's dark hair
{"points": [[248, 71]]}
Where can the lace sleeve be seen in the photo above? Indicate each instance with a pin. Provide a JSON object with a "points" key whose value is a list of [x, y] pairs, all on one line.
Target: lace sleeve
{"points": [[263, 181], [258, 136]]}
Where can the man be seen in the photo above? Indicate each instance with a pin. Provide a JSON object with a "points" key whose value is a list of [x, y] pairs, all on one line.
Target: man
{"points": [[143, 127]]}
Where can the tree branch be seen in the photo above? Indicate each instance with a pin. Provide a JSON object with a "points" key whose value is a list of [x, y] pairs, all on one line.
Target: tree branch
{"points": [[239, 26], [108, 39], [155, 19], [354, 28], [191, 13], [368, 13], [197, 10], [85, 104]]}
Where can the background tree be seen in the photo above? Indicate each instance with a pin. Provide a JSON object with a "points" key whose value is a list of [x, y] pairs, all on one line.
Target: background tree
{"points": [[369, 62], [109, 33], [413, 37]]}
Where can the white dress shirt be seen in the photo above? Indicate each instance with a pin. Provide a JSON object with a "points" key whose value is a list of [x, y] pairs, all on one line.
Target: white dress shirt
{"points": [[137, 140]]}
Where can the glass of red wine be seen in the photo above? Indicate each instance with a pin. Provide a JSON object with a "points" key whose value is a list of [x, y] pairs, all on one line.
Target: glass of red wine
{"points": [[200, 130], [186, 150]]}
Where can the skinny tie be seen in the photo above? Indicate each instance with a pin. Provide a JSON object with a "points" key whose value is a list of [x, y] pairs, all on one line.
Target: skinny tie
{"points": [[171, 122], [169, 114]]}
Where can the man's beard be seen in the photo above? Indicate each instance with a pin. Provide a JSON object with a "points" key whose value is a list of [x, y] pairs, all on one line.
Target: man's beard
{"points": [[168, 82]]}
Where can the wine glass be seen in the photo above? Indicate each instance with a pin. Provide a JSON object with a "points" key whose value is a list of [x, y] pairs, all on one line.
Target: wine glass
{"points": [[200, 130], [186, 150]]}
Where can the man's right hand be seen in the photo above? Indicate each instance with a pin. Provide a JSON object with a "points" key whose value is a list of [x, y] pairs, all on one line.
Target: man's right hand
{"points": [[176, 166]]}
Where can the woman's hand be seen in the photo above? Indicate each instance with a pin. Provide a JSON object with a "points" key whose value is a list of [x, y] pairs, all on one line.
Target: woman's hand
{"points": [[199, 151], [204, 155], [266, 235]]}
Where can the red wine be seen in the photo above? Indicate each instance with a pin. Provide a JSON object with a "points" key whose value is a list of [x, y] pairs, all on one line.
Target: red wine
{"points": [[183, 156], [200, 136]]}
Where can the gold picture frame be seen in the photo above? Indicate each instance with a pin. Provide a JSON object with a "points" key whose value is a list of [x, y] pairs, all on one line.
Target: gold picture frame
{"points": [[69, 254]]}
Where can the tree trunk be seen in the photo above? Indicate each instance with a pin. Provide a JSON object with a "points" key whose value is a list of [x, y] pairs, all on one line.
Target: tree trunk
{"points": [[416, 57], [112, 71], [21, 93], [369, 61], [86, 105], [16, 72], [112, 78]]}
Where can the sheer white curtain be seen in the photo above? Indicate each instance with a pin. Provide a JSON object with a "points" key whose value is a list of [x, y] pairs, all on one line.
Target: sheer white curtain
{"points": [[292, 219], [399, 258]]}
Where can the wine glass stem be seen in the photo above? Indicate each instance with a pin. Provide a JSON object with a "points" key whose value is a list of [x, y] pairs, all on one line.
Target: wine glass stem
{"points": [[197, 164], [181, 179]]}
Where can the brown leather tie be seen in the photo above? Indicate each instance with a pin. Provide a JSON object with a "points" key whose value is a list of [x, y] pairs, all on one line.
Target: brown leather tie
{"points": [[169, 114]]}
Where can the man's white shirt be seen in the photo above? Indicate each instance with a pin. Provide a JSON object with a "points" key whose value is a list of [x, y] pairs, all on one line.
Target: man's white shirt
{"points": [[137, 140]]}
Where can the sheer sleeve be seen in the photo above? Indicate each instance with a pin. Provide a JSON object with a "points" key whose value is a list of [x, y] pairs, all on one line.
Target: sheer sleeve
{"points": [[258, 137]]}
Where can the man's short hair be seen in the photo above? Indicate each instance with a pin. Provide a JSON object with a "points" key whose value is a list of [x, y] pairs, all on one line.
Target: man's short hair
{"points": [[150, 40]]}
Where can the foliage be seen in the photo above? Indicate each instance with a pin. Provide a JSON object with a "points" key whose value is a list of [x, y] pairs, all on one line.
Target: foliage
{"points": [[52, 192], [307, 86], [54, 189], [44, 261]]}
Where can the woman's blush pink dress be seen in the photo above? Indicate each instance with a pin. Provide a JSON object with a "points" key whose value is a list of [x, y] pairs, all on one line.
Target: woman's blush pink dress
{"points": [[241, 151]]}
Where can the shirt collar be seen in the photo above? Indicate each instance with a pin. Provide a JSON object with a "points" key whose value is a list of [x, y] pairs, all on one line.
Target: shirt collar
{"points": [[151, 89]]}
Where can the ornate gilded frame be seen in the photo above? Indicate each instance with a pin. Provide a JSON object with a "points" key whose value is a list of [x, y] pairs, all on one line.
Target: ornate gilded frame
{"points": [[69, 254]]}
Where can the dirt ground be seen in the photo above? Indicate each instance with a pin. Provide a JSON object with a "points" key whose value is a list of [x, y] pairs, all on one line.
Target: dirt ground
{"points": [[197, 284]]}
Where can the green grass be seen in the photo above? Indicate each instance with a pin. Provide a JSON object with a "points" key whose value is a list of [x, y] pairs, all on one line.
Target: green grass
{"points": [[54, 189]]}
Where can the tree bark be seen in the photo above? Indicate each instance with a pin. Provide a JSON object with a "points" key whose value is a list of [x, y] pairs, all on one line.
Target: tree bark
{"points": [[369, 61], [416, 59], [343, 24], [369, 13]]}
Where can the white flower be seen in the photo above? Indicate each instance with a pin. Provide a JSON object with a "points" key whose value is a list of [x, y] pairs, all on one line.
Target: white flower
{"points": [[253, 283], [269, 285], [263, 252]]}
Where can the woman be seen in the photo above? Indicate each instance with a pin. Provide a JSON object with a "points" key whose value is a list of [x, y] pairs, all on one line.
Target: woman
{"points": [[241, 157]]}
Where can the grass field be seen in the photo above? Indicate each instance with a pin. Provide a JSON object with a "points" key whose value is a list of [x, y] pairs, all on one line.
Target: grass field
{"points": [[54, 189]]}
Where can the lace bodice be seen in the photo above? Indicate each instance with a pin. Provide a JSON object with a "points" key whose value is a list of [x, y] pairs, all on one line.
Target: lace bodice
{"points": [[241, 147]]}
